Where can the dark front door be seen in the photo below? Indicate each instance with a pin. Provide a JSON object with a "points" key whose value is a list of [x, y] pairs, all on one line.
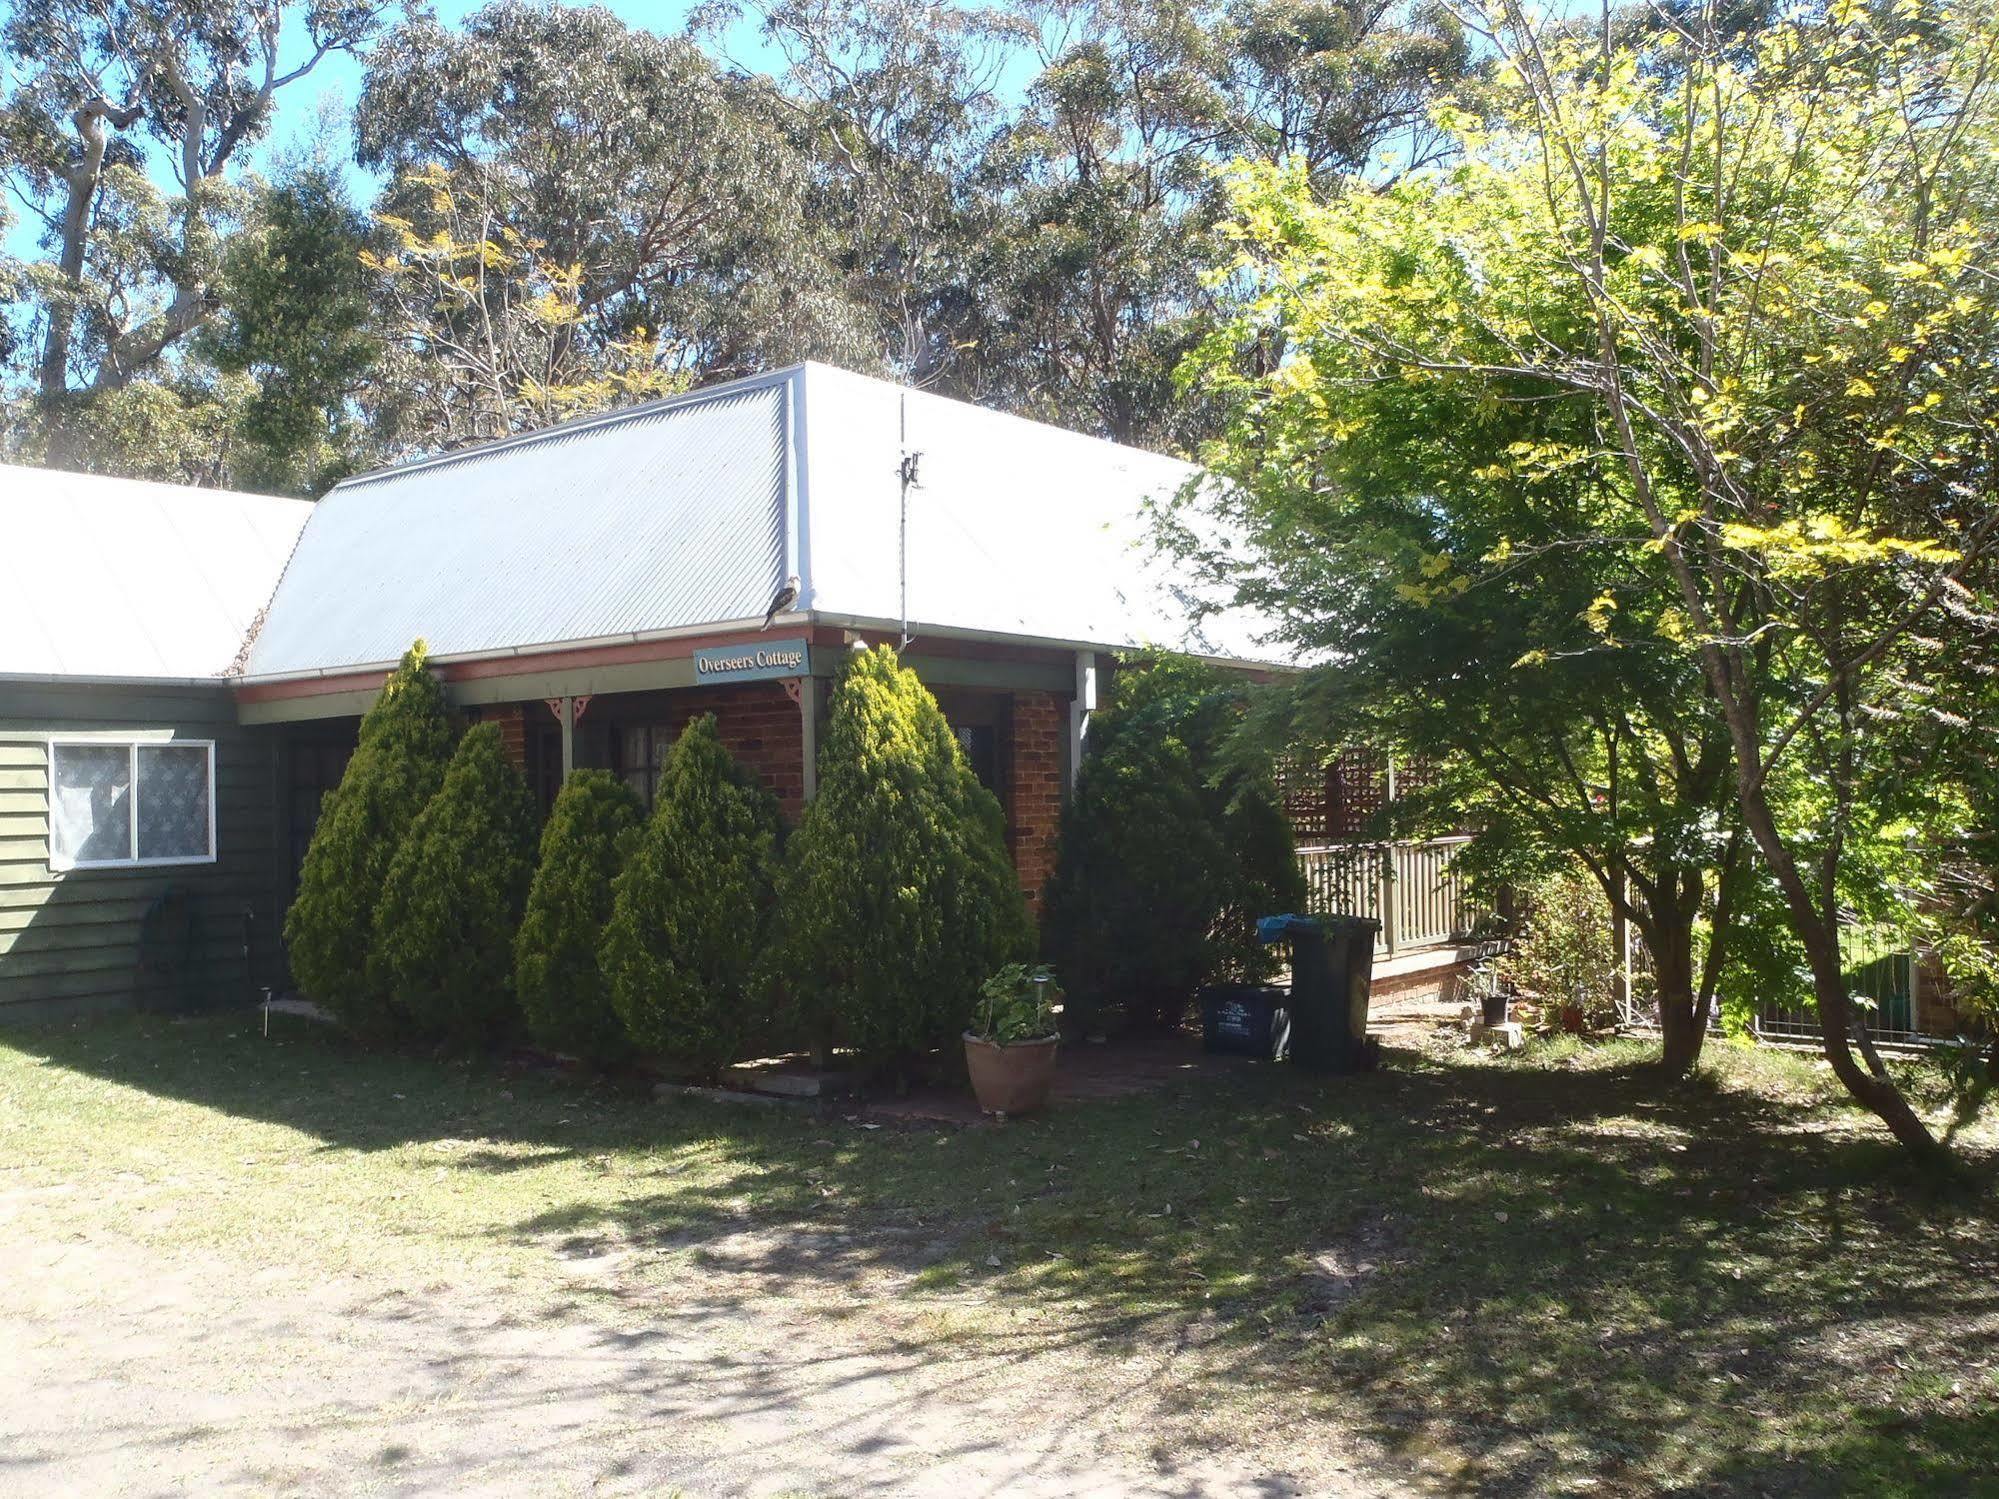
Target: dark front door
{"points": [[314, 767]]}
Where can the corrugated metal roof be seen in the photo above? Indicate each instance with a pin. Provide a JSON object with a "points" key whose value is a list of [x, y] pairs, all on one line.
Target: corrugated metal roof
{"points": [[688, 513], [668, 515], [117, 578], [1016, 528]]}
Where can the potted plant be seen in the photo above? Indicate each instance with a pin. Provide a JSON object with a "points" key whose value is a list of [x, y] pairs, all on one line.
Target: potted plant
{"points": [[1010, 1048]]}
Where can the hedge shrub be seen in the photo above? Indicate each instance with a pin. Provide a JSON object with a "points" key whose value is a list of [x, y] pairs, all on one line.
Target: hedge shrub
{"points": [[690, 910], [396, 767], [898, 899], [1139, 883], [564, 995], [444, 931], [1174, 842]]}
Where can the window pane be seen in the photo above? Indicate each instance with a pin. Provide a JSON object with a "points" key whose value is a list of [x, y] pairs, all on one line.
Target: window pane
{"points": [[90, 814], [173, 801]]}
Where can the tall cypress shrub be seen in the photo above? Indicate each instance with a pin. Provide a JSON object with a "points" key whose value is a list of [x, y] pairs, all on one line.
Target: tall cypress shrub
{"points": [[564, 995], [1139, 886], [1174, 842], [444, 931], [898, 897], [396, 767], [691, 908]]}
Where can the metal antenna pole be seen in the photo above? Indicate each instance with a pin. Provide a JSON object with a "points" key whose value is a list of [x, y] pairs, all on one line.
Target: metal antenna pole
{"points": [[902, 535], [906, 472]]}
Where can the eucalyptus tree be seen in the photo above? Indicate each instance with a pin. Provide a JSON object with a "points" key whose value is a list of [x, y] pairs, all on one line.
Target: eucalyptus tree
{"points": [[894, 100], [1097, 198], [1738, 281], [122, 131], [1092, 198], [294, 320], [1339, 87], [663, 198]]}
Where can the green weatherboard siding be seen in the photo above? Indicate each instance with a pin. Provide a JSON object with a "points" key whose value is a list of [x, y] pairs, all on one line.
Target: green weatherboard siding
{"points": [[69, 940]]}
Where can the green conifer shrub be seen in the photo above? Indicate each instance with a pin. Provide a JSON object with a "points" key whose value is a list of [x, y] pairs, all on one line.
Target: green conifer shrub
{"points": [[564, 995], [396, 767], [1139, 884], [444, 931], [1174, 842], [898, 899], [690, 909]]}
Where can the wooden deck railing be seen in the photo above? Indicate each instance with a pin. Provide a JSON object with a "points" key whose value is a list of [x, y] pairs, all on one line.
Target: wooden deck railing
{"points": [[1407, 887]]}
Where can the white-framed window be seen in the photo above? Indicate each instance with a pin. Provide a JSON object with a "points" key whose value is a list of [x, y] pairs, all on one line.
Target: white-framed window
{"points": [[126, 802]]}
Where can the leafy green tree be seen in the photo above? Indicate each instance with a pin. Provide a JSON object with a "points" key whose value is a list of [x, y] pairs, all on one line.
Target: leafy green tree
{"points": [[894, 100], [692, 906], [396, 767], [564, 994], [442, 949], [295, 310], [1094, 201], [897, 898], [1732, 282], [131, 266], [658, 198]]}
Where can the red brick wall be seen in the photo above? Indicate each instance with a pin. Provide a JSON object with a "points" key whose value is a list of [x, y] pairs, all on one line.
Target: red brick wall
{"points": [[512, 719], [760, 725], [1034, 787]]}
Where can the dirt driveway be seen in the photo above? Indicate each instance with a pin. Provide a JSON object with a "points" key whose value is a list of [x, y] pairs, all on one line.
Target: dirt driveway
{"points": [[133, 1372]]}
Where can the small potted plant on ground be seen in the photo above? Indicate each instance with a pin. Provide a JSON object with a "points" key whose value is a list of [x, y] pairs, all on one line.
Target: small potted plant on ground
{"points": [[1010, 1048]]}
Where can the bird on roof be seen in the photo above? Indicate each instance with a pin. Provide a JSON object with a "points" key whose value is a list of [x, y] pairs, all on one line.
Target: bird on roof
{"points": [[786, 597]]}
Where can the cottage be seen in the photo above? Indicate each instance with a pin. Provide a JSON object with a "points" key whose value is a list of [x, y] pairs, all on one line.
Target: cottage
{"points": [[139, 820], [589, 588]]}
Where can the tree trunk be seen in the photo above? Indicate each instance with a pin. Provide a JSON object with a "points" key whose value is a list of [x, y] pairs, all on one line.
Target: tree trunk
{"points": [[1682, 1015], [1835, 1028], [1816, 929], [1819, 932]]}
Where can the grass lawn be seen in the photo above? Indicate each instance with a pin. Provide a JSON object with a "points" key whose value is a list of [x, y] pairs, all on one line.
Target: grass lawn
{"points": [[1523, 1275]]}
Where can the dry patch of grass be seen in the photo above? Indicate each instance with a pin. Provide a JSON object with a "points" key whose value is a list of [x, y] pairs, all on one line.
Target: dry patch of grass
{"points": [[1522, 1275]]}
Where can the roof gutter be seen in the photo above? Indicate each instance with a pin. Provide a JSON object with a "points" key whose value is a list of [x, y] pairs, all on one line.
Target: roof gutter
{"points": [[526, 652], [918, 630], [753, 624], [78, 679]]}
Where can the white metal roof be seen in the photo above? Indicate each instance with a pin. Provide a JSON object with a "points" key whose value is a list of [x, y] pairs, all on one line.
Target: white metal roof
{"points": [[120, 579], [688, 514], [1016, 528]]}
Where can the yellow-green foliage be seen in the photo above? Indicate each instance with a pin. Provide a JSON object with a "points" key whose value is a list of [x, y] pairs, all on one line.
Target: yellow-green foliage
{"points": [[898, 899], [564, 996], [442, 952], [691, 907], [398, 764]]}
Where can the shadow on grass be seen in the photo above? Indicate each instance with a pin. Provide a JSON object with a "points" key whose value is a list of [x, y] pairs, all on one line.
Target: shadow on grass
{"points": [[1511, 1276]]}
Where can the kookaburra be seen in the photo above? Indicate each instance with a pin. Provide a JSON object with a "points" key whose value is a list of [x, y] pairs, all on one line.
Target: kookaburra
{"points": [[786, 597]]}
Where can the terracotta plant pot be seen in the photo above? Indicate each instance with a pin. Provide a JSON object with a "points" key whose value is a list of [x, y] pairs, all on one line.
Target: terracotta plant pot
{"points": [[1573, 1020], [1011, 1079]]}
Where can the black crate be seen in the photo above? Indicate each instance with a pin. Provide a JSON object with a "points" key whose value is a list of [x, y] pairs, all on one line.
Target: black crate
{"points": [[1245, 1019]]}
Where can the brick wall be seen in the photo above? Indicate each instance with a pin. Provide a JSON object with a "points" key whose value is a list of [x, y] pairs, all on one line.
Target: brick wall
{"points": [[760, 725], [1034, 787], [512, 719]]}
